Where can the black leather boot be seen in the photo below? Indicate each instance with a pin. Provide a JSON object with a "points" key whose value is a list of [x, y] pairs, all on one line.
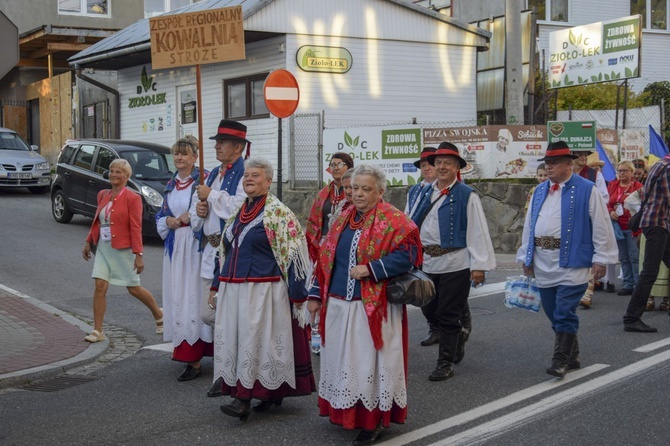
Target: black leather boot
{"points": [[563, 343], [445, 360], [433, 336], [574, 363], [466, 324], [216, 389], [237, 408]]}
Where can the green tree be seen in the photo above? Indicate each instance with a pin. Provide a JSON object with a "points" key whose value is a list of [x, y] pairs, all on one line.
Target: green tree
{"points": [[601, 96], [653, 94]]}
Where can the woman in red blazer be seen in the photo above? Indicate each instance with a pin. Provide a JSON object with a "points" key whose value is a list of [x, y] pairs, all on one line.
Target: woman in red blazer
{"points": [[116, 233]]}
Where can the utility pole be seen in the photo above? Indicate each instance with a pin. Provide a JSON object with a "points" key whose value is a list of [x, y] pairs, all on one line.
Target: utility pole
{"points": [[513, 63]]}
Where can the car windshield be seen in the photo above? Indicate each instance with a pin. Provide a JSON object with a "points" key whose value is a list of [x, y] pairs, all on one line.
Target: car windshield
{"points": [[150, 166], [12, 141]]}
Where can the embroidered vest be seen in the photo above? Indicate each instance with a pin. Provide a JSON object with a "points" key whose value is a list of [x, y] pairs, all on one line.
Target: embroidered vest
{"points": [[577, 248]]}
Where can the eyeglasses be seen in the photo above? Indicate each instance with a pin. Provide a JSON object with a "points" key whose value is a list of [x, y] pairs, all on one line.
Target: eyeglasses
{"points": [[337, 165]]}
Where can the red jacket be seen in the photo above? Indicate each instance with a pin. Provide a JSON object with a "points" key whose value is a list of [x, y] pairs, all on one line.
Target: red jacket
{"points": [[618, 195], [125, 220]]}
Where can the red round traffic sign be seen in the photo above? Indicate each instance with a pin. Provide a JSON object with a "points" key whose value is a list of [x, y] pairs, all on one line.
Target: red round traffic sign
{"points": [[281, 93]]}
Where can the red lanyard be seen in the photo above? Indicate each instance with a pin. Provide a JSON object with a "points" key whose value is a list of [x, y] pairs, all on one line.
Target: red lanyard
{"points": [[110, 205]]}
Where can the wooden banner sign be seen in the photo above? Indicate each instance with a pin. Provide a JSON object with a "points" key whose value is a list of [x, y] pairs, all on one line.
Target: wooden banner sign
{"points": [[197, 38]]}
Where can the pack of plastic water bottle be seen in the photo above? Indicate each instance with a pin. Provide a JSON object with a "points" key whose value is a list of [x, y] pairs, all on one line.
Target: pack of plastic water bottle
{"points": [[522, 292]]}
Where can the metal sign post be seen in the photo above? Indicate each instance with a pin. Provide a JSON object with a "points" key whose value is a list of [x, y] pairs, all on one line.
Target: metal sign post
{"points": [[282, 95]]}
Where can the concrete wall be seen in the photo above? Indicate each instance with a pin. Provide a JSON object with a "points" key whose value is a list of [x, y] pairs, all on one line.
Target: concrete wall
{"points": [[30, 14], [503, 205]]}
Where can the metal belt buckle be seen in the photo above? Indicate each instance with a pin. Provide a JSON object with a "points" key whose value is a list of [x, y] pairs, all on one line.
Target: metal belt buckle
{"points": [[547, 242]]}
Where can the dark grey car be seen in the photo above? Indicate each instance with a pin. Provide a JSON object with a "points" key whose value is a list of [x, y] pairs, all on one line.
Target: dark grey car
{"points": [[80, 175]]}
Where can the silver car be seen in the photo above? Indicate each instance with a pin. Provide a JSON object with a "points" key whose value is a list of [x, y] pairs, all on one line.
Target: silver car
{"points": [[21, 165]]}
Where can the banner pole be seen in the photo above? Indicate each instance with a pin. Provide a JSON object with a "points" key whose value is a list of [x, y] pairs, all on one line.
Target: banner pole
{"points": [[201, 157]]}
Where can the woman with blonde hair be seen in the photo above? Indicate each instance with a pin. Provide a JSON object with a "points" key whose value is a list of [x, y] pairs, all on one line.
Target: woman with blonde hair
{"points": [[182, 300], [116, 240]]}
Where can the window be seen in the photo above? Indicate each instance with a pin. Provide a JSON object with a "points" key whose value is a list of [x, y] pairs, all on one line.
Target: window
{"points": [[153, 8], [243, 97], [84, 157], [102, 162], [550, 10], [654, 13], [91, 8]]}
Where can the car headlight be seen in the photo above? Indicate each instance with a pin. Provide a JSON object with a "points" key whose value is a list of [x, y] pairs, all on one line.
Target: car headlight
{"points": [[42, 166], [152, 196]]}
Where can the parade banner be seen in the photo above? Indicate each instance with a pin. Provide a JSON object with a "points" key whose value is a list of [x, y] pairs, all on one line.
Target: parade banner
{"points": [[494, 151], [633, 143], [393, 149]]}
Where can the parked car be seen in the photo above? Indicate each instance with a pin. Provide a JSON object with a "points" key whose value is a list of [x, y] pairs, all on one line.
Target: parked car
{"points": [[21, 165], [82, 172]]}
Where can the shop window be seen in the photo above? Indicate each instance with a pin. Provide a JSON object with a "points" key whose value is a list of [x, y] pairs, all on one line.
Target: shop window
{"points": [[654, 13], [153, 8], [90, 8], [243, 97], [550, 10]]}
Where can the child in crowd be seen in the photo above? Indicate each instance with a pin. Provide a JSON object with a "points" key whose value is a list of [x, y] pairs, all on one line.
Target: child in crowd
{"points": [[540, 176]]}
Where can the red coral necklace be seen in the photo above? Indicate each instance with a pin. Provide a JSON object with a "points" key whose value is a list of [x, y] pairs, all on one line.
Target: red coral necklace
{"points": [[355, 225], [248, 216]]}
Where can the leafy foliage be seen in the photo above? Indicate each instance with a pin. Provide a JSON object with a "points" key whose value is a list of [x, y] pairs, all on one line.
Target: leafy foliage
{"points": [[600, 96], [653, 94]]}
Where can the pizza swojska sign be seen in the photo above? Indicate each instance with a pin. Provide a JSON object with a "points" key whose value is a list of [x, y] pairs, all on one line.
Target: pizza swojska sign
{"points": [[197, 38]]}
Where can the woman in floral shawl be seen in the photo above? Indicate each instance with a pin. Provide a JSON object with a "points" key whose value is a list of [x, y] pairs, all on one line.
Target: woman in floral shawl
{"points": [[326, 203], [363, 377], [260, 340]]}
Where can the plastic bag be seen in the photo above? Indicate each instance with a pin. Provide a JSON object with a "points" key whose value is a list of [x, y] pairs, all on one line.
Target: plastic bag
{"points": [[522, 292]]}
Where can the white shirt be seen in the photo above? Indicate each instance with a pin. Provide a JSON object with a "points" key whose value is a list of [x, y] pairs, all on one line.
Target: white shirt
{"points": [[548, 272], [221, 206], [478, 254]]}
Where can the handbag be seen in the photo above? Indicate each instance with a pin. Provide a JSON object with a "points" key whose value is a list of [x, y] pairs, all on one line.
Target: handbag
{"points": [[618, 232], [412, 288], [634, 222], [522, 292]]}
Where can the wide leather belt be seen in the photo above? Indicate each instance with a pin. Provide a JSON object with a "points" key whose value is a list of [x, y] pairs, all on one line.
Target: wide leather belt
{"points": [[214, 240], [548, 242], [437, 250]]}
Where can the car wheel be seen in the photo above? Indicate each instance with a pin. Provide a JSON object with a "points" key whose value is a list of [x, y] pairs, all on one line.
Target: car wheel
{"points": [[59, 208], [39, 189]]}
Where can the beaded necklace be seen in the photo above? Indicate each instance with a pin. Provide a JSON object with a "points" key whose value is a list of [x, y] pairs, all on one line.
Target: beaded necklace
{"points": [[181, 185], [248, 216], [355, 225], [336, 198]]}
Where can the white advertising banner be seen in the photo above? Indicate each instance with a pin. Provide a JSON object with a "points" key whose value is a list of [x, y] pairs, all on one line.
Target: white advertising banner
{"points": [[494, 151], [597, 52], [394, 149]]}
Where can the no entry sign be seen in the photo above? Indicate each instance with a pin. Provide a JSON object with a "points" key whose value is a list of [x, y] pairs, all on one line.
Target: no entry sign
{"points": [[281, 93]]}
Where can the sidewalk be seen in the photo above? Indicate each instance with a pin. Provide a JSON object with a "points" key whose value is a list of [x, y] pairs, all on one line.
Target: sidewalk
{"points": [[38, 341]]}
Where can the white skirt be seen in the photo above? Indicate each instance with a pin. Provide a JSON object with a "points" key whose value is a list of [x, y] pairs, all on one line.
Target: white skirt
{"points": [[253, 339], [351, 368], [182, 292]]}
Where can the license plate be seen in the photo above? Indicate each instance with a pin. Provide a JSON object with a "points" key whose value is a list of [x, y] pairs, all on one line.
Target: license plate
{"points": [[20, 176]]}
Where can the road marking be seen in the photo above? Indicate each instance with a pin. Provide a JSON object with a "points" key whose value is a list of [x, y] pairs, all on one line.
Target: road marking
{"points": [[653, 346], [491, 407], [167, 347], [516, 419], [487, 290]]}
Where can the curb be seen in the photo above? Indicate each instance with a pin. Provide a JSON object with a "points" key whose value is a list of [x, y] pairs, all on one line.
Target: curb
{"points": [[22, 377]]}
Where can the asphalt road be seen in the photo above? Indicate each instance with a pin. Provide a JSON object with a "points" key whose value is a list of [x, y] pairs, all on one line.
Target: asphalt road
{"points": [[499, 396]]}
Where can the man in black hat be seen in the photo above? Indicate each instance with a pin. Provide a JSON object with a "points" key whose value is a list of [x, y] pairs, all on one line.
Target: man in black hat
{"points": [[566, 235], [215, 201], [428, 176], [457, 252]]}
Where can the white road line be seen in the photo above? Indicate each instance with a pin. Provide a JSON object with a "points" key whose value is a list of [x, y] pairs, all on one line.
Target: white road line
{"points": [[653, 346], [167, 347], [516, 419], [487, 290], [491, 407]]}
